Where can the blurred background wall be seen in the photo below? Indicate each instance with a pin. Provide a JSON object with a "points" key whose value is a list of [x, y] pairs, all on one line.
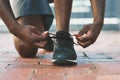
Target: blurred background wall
{"points": [[81, 14]]}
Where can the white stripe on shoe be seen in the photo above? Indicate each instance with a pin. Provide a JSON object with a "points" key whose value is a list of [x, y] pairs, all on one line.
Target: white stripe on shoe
{"points": [[74, 61]]}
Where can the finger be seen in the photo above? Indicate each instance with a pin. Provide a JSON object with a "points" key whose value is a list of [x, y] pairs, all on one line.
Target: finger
{"points": [[84, 30], [40, 40], [44, 35], [40, 44], [85, 44], [35, 37], [34, 30], [40, 37], [76, 35], [84, 38]]}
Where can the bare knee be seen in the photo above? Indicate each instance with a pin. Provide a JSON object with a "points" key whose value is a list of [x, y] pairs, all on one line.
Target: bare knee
{"points": [[25, 50]]}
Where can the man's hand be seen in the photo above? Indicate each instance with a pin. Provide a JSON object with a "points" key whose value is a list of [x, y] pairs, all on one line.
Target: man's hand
{"points": [[31, 35], [88, 34]]}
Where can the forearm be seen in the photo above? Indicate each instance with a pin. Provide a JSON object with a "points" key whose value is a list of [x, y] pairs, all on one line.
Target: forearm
{"points": [[7, 15], [98, 9]]}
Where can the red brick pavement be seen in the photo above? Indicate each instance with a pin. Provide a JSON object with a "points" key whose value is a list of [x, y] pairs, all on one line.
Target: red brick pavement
{"points": [[100, 61]]}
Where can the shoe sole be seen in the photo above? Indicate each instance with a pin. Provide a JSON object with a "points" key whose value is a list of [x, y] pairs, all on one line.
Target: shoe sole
{"points": [[64, 62]]}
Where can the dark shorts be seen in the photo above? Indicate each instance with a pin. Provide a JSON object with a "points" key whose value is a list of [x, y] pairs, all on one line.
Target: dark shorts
{"points": [[33, 7]]}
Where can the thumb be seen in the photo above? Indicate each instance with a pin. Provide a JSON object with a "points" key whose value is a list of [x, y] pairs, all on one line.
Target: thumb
{"points": [[77, 35], [84, 38], [44, 35], [82, 31]]}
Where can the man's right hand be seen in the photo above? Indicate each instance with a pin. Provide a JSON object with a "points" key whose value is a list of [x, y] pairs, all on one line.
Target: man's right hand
{"points": [[31, 35]]}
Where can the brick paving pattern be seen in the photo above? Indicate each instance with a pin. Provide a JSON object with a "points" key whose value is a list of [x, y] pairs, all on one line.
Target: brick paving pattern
{"points": [[101, 61]]}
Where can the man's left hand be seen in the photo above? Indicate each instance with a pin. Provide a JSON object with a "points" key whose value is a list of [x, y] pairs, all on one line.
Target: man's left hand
{"points": [[88, 34]]}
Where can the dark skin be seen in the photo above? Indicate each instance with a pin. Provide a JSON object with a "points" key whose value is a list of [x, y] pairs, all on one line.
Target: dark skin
{"points": [[89, 33], [28, 33], [28, 30], [62, 14]]}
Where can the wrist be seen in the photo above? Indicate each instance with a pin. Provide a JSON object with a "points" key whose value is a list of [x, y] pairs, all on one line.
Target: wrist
{"points": [[14, 28], [98, 22]]}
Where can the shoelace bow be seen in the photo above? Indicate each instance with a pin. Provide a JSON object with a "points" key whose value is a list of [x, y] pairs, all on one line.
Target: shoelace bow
{"points": [[52, 35]]}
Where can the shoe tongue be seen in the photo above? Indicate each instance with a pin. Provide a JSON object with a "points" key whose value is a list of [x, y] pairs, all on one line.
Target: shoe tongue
{"points": [[64, 39], [62, 34]]}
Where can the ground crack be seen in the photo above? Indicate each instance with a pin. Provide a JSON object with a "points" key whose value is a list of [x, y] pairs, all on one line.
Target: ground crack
{"points": [[34, 71]]}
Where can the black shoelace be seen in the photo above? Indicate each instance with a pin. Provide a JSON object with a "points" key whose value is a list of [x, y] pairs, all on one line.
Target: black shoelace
{"points": [[53, 36]]}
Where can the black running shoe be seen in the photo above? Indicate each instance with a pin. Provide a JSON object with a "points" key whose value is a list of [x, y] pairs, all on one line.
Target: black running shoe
{"points": [[49, 45], [64, 53]]}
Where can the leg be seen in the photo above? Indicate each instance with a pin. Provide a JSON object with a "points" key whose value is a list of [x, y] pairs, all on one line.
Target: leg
{"points": [[24, 49], [33, 7], [64, 53], [63, 14]]}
